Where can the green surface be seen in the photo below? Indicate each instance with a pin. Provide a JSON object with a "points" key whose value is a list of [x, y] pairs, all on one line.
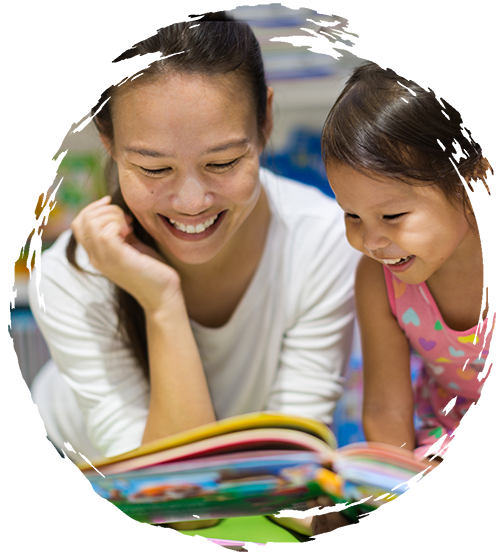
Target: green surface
{"points": [[247, 529]]}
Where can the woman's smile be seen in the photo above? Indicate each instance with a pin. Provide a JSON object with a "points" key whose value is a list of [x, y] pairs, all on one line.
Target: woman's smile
{"points": [[188, 160], [194, 231]]}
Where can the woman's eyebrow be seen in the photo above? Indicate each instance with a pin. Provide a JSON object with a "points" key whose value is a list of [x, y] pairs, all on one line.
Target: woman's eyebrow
{"points": [[157, 154], [230, 144], [147, 152]]}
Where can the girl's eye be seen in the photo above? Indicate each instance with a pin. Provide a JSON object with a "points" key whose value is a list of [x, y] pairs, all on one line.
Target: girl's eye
{"points": [[351, 216], [393, 216], [154, 173]]}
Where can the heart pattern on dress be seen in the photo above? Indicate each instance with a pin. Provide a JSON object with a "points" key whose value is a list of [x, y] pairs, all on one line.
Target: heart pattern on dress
{"points": [[399, 288], [468, 338], [467, 374], [455, 353], [411, 317], [436, 369], [426, 344]]}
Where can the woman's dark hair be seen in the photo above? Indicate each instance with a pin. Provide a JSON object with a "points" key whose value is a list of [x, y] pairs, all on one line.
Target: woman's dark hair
{"points": [[383, 124], [213, 45]]}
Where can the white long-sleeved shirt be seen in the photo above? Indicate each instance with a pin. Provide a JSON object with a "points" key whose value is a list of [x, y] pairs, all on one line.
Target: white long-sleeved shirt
{"points": [[284, 348]]}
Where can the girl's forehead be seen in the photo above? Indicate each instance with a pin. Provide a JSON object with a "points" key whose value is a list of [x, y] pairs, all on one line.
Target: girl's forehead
{"points": [[355, 188]]}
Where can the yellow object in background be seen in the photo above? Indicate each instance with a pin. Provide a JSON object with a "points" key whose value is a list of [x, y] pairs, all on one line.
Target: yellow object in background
{"points": [[79, 181], [330, 482]]}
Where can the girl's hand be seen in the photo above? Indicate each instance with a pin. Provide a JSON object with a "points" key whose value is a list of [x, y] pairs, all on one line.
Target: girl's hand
{"points": [[106, 234], [326, 522]]}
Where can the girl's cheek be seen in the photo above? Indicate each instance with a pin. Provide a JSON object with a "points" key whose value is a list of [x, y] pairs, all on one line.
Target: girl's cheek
{"points": [[353, 238]]}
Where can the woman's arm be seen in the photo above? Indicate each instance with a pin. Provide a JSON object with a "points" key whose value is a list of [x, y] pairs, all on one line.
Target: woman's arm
{"points": [[318, 294], [179, 397], [388, 396]]}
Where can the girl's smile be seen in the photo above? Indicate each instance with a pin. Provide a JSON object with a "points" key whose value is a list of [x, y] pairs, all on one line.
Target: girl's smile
{"points": [[412, 229]]}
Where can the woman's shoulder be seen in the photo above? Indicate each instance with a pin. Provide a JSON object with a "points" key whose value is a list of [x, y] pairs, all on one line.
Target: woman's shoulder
{"points": [[308, 214], [293, 199], [314, 244], [57, 279]]}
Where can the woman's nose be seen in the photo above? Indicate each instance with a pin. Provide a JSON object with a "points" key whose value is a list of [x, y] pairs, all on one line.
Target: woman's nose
{"points": [[191, 197]]}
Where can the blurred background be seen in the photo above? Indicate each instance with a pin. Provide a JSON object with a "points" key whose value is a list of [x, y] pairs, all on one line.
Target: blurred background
{"points": [[57, 65]]}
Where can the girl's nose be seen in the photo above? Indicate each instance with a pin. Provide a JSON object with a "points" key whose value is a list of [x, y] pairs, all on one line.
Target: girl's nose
{"points": [[191, 197], [373, 239]]}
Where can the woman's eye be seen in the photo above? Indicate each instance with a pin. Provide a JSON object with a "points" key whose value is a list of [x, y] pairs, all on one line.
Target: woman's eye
{"points": [[393, 216], [223, 166], [154, 173]]}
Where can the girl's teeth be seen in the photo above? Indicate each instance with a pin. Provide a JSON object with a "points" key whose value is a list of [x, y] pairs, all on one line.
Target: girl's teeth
{"points": [[193, 229], [395, 260]]}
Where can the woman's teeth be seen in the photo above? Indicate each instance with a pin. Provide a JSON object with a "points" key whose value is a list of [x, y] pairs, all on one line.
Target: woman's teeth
{"points": [[393, 261], [193, 229]]}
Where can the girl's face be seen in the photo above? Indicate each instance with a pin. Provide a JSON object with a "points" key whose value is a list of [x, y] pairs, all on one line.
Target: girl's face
{"points": [[414, 230], [187, 150]]}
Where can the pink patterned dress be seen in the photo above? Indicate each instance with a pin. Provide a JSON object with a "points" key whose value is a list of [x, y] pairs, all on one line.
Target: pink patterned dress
{"points": [[452, 376]]}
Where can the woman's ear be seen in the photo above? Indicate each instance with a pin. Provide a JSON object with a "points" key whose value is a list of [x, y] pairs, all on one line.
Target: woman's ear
{"points": [[107, 143], [268, 120]]}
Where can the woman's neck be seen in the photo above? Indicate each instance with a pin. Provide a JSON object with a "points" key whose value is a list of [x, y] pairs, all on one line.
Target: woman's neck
{"points": [[213, 290]]}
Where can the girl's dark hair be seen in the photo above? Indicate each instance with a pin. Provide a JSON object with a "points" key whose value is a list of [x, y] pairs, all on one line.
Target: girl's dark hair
{"points": [[213, 45], [383, 124]]}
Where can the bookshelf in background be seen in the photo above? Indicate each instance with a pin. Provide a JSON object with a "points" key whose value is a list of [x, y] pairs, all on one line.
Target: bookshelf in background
{"points": [[79, 180]]}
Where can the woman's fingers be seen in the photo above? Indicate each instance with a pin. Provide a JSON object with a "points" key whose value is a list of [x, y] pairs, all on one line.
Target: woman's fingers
{"points": [[106, 233]]}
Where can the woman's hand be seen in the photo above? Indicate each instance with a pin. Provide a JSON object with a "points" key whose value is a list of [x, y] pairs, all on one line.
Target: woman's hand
{"points": [[106, 234], [327, 522]]}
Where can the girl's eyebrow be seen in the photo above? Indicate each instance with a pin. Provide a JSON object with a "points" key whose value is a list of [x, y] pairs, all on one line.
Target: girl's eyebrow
{"points": [[156, 154]]}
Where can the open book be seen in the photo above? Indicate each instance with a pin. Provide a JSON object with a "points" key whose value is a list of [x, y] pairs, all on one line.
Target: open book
{"points": [[254, 464]]}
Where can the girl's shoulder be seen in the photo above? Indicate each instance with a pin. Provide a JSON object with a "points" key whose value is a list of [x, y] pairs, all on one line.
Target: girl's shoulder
{"points": [[369, 275], [370, 284]]}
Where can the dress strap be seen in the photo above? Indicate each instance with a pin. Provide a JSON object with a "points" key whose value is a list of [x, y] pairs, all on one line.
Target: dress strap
{"points": [[390, 289]]}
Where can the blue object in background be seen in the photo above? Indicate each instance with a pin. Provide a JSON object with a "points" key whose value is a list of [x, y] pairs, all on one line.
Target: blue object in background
{"points": [[300, 160], [348, 414]]}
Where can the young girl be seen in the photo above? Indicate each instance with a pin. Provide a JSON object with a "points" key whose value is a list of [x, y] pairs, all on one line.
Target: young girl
{"points": [[395, 159]]}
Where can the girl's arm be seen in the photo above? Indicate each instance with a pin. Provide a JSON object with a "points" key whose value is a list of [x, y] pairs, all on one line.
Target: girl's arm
{"points": [[388, 396]]}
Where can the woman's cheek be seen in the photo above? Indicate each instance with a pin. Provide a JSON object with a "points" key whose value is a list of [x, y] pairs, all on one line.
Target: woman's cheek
{"points": [[138, 195]]}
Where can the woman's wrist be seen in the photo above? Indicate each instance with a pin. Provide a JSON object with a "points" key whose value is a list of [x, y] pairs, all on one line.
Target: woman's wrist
{"points": [[168, 312]]}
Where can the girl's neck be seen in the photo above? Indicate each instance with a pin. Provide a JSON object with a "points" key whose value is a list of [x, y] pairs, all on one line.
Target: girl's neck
{"points": [[457, 287]]}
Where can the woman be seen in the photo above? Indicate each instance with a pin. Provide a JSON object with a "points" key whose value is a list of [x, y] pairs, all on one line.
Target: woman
{"points": [[204, 287]]}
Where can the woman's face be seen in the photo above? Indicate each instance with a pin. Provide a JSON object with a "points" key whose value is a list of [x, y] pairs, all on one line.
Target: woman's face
{"points": [[187, 150]]}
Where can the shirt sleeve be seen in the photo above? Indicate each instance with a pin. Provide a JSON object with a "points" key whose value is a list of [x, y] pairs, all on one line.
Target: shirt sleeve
{"points": [[317, 345], [76, 316]]}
